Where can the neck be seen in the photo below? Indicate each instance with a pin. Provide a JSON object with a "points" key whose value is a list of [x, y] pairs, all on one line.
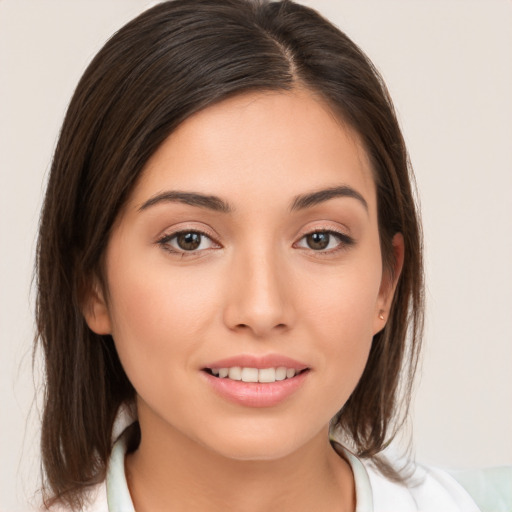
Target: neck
{"points": [[170, 469]]}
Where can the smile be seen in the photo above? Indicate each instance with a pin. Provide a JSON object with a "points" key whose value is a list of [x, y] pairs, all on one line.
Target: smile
{"points": [[249, 386], [262, 375]]}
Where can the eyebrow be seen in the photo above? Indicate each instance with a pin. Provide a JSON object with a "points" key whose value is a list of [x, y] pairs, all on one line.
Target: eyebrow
{"points": [[312, 199], [191, 198], [217, 204]]}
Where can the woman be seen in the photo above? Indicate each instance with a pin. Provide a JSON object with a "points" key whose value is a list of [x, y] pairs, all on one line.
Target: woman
{"points": [[230, 239]]}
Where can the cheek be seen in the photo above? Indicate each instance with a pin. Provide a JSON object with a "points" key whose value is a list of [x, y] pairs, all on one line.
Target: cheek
{"points": [[158, 317], [340, 314], [150, 296], [344, 302]]}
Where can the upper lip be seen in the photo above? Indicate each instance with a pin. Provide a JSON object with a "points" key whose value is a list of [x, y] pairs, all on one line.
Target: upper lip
{"points": [[254, 361]]}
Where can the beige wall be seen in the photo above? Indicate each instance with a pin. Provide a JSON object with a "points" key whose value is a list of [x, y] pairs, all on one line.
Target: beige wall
{"points": [[448, 65]]}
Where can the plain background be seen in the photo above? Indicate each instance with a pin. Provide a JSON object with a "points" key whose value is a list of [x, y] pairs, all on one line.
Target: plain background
{"points": [[448, 65]]}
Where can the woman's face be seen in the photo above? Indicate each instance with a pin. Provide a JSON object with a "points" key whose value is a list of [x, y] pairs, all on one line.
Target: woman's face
{"points": [[250, 246]]}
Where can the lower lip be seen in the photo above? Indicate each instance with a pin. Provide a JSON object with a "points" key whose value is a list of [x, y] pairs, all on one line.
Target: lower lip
{"points": [[256, 394]]}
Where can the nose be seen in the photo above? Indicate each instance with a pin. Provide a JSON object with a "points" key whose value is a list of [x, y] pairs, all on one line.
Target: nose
{"points": [[259, 297]]}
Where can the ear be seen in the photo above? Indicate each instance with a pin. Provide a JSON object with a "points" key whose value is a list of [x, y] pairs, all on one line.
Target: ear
{"points": [[388, 284], [95, 309]]}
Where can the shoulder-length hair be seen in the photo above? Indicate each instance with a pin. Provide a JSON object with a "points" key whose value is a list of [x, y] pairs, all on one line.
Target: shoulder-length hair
{"points": [[170, 62]]}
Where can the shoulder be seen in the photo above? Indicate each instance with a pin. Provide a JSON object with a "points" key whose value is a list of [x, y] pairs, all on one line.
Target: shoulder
{"points": [[427, 490], [430, 489]]}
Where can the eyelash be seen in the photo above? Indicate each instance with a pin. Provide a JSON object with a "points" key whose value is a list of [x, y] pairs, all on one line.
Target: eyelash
{"points": [[344, 240], [166, 239]]}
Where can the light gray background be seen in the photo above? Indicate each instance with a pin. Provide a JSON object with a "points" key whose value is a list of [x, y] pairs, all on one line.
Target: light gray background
{"points": [[448, 65]]}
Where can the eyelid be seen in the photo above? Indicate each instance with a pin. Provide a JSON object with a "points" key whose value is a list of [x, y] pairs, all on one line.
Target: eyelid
{"points": [[167, 235], [345, 240], [325, 227], [187, 226]]}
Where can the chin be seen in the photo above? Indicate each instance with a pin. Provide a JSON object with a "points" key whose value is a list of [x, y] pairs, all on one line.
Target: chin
{"points": [[259, 444], [259, 450]]}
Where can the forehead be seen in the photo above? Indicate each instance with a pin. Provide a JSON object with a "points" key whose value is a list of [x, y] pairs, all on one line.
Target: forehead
{"points": [[259, 145]]}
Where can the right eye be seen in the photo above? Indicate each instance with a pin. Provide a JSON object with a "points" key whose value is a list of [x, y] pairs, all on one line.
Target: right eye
{"points": [[187, 241]]}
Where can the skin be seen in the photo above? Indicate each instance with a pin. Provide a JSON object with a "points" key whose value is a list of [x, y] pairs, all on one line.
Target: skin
{"points": [[254, 287]]}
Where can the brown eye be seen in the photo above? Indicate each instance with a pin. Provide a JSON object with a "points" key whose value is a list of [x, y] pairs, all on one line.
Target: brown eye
{"points": [[326, 241], [188, 241], [318, 241]]}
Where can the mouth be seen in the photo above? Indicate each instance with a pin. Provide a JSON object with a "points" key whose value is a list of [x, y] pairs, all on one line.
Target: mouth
{"points": [[254, 375], [259, 380], [259, 385]]}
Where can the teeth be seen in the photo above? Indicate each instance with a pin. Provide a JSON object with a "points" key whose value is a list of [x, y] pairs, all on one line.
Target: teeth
{"points": [[254, 374], [250, 374], [235, 373], [267, 375], [281, 373]]}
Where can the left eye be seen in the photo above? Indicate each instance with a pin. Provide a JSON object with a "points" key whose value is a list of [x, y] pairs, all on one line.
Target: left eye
{"points": [[321, 240], [187, 241]]}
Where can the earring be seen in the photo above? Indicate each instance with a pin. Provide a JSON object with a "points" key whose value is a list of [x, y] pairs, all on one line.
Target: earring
{"points": [[381, 315]]}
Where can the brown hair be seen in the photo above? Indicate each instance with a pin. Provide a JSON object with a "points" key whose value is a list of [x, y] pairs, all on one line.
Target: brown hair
{"points": [[171, 61]]}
